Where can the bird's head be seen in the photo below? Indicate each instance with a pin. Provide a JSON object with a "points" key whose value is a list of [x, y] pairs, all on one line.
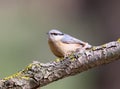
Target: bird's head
{"points": [[55, 35]]}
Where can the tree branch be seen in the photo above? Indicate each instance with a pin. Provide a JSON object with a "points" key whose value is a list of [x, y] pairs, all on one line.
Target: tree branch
{"points": [[39, 74]]}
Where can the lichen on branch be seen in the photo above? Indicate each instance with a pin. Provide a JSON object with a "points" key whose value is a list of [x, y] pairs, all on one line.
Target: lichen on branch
{"points": [[39, 74]]}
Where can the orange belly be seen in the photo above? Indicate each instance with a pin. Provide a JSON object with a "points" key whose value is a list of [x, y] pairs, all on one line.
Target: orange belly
{"points": [[60, 49]]}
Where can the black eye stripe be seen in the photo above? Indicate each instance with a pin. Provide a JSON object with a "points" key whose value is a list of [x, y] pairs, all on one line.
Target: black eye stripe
{"points": [[57, 34], [54, 34]]}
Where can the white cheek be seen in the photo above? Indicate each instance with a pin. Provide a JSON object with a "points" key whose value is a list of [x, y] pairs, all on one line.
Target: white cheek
{"points": [[58, 38]]}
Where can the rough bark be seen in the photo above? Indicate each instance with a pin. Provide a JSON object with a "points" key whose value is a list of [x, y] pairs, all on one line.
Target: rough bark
{"points": [[39, 74]]}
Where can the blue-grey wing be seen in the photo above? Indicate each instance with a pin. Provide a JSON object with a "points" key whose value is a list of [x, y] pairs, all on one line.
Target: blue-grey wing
{"points": [[71, 40]]}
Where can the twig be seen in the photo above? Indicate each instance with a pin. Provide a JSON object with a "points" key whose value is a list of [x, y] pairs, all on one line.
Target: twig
{"points": [[39, 74]]}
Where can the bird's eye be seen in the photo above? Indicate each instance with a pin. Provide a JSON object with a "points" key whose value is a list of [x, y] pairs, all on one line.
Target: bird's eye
{"points": [[54, 34]]}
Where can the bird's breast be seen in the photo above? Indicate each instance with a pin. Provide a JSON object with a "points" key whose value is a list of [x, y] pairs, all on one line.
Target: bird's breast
{"points": [[60, 49]]}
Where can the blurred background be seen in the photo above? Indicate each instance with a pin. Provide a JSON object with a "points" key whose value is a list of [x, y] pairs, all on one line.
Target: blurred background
{"points": [[23, 39]]}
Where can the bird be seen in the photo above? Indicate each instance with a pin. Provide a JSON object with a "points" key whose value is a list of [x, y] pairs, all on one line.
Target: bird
{"points": [[62, 44]]}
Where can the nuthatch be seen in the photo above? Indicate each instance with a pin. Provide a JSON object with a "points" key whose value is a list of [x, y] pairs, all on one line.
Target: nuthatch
{"points": [[63, 44]]}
